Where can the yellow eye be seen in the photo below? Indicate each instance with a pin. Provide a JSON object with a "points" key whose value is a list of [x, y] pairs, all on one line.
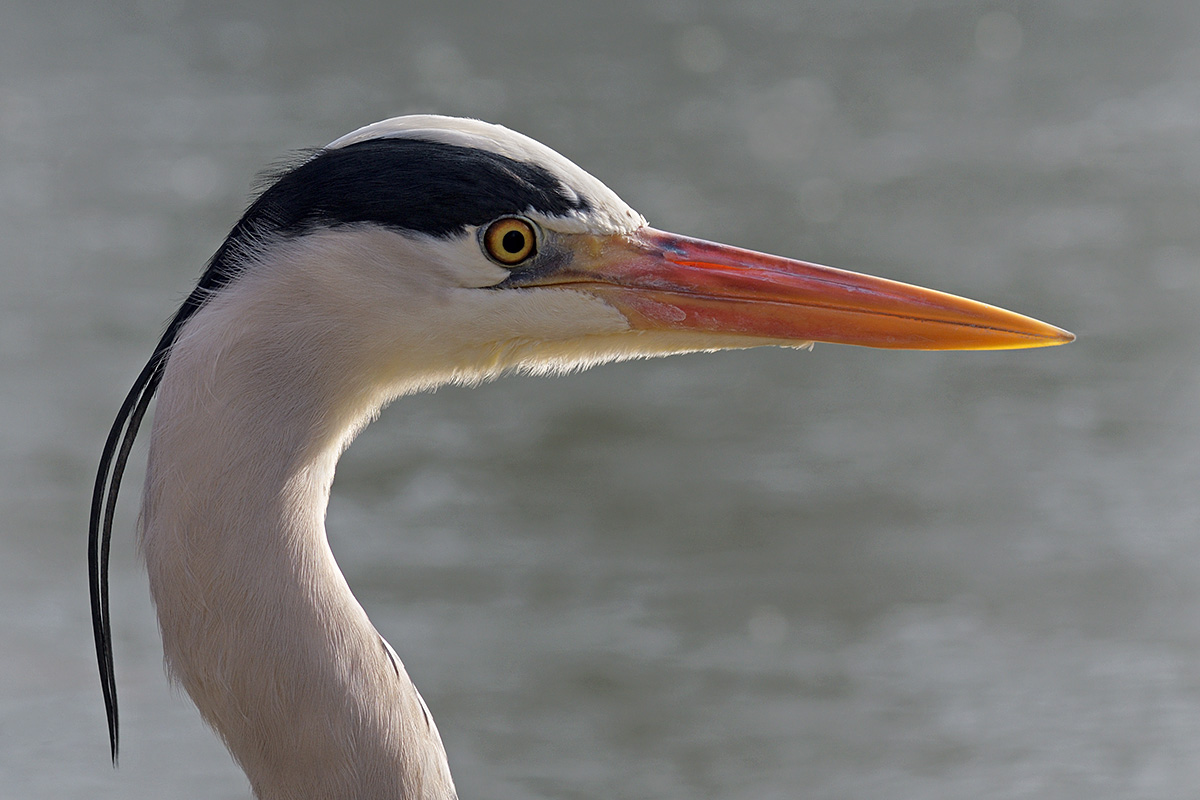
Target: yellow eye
{"points": [[510, 241]]}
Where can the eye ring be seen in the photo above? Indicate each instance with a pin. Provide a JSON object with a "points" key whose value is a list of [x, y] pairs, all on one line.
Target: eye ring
{"points": [[509, 241]]}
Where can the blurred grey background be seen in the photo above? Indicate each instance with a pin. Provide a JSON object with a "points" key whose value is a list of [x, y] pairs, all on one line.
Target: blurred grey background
{"points": [[837, 574]]}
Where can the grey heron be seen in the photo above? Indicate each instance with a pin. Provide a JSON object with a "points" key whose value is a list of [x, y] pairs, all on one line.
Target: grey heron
{"points": [[414, 252]]}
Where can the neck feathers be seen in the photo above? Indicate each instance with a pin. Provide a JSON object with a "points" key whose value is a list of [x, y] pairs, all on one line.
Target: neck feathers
{"points": [[258, 623]]}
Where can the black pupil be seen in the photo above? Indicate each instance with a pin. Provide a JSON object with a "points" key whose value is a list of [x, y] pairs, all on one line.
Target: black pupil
{"points": [[513, 242]]}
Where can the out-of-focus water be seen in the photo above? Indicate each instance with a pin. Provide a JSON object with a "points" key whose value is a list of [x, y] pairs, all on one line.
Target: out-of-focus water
{"points": [[843, 573]]}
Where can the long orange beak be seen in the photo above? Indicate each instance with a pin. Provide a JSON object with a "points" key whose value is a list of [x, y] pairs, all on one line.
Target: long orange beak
{"points": [[662, 281]]}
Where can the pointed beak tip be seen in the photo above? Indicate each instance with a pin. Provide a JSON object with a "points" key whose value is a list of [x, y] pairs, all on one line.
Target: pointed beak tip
{"points": [[1052, 336], [1021, 333]]}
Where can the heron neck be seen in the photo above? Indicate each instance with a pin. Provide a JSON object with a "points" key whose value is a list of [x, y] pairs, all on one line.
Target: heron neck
{"points": [[258, 623]]}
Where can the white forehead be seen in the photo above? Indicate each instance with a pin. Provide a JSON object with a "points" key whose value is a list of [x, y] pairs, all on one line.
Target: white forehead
{"points": [[606, 213]]}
